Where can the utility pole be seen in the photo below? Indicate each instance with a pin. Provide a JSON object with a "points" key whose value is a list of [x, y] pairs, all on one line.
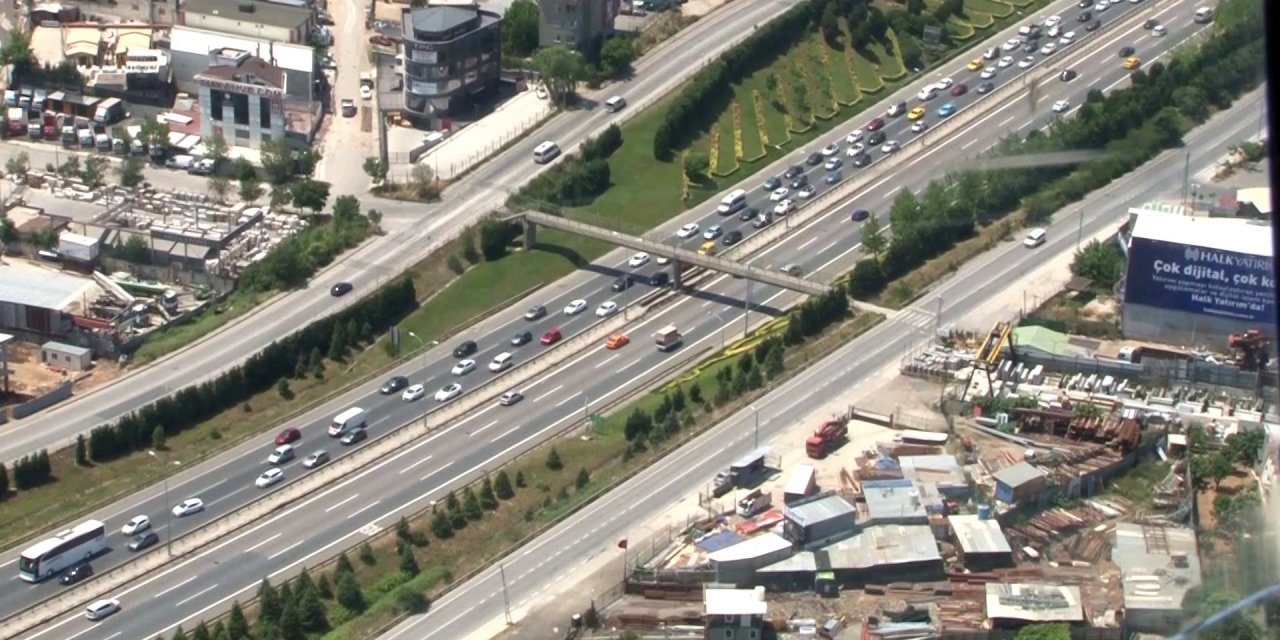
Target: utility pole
{"points": [[746, 308], [423, 345], [1186, 176], [506, 600]]}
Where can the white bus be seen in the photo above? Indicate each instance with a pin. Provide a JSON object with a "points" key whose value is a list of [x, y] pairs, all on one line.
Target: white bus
{"points": [[64, 549]]}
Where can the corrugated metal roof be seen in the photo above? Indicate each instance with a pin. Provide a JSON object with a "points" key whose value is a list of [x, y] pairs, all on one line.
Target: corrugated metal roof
{"points": [[1221, 234], [880, 545], [62, 347], [821, 509], [979, 536], [1018, 474], [893, 502], [942, 469], [200, 42], [756, 547], [1034, 602], [38, 287]]}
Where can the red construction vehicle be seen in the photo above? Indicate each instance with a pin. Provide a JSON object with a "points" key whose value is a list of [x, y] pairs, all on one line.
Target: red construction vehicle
{"points": [[1252, 349], [830, 435]]}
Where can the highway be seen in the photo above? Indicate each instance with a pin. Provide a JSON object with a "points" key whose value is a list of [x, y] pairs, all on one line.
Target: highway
{"points": [[413, 230], [337, 517]]}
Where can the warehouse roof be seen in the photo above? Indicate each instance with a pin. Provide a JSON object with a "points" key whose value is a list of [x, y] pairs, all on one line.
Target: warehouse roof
{"points": [[270, 14], [880, 545], [898, 502], [943, 469], [756, 547], [733, 602], [979, 536], [1018, 474], [818, 509], [1158, 565], [1034, 602], [34, 286], [1221, 234]]}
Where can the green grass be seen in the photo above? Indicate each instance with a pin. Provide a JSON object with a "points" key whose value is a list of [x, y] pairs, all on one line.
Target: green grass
{"points": [[752, 147], [991, 7], [728, 162], [842, 85], [173, 337], [868, 79], [890, 66], [645, 192]]}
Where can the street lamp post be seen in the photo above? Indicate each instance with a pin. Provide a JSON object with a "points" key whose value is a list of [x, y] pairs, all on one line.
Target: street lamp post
{"points": [[756, 414], [722, 326], [424, 369], [168, 508]]}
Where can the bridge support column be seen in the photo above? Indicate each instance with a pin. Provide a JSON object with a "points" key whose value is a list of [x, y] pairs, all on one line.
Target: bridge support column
{"points": [[530, 233], [677, 281]]}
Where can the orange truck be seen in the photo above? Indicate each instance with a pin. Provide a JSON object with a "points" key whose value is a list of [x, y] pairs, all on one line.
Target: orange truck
{"points": [[830, 435]]}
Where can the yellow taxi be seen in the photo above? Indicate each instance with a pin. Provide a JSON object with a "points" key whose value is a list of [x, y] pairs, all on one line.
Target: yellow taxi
{"points": [[1132, 62], [708, 248], [915, 114], [975, 64]]}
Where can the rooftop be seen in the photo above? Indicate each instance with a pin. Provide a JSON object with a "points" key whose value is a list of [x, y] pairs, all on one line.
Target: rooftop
{"points": [[34, 286], [755, 547], [438, 19], [894, 500], [942, 469], [733, 602], [62, 347], [251, 70], [1158, 565], [1034, 602], [1219, 234], [270, 14], [294, 57], [1259, 197], [1018, 474], [873, 546], [979, 536], [818, 509]]}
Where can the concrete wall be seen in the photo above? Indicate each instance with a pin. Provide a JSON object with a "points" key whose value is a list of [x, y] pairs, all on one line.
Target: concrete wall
{"points": [[42, 402], [1163, 372]]}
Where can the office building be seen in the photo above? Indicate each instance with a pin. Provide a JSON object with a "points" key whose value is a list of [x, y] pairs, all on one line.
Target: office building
{"points": [[576, 24], [452, 55]]}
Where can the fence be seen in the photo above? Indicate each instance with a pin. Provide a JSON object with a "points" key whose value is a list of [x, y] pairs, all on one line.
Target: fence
{"points": [[1162, 372], [41, 402]]}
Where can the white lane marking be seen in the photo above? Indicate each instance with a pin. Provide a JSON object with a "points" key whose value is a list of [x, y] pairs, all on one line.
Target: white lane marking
{"points": [[364, 508], [1004, 122], [197, 595], [250, 549], [446, 466], [807, 243], [286, 550], [606, 361], [568, 398], [478, 430], [415, 463], [342, 502], [505, 434], [968, 144], [175, 586], [548, 393]]}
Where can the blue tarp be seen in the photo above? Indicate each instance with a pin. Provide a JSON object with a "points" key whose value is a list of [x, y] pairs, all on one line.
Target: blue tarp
{"points": [[719, 540]]}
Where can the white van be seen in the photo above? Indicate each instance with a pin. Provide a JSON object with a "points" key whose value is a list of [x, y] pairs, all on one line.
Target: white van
{"points": [[545, 152], [614, 104], [928, 93], [500, 362], [348, 420], [1034, 238], [1204, 14], [732, 203], [183, 162]]}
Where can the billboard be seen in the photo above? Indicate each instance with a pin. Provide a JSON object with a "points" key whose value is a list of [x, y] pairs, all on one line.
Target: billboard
{"points": [[1182, 277]]}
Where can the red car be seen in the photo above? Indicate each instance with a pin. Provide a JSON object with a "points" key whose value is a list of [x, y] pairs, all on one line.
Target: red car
{"points": [[552, 336], [381, 40], [959, 89], [875, 125], [288, 435]]}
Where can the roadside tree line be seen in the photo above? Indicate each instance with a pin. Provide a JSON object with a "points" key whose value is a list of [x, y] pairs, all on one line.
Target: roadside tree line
{"points": [[577, 179]]}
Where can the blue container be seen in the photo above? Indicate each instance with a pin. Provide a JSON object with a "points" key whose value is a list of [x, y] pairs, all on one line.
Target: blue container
{"points": [[984, 512]]}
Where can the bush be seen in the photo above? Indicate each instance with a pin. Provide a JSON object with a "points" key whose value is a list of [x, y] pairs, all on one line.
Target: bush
{"points": [[578, 179]]}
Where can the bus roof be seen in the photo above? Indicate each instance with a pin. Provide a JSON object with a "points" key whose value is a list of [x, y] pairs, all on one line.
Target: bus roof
{"points": [[45, 546]]}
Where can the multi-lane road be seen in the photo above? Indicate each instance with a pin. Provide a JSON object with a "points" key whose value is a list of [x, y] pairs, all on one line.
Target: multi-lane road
{"points": [[404, 482], [413, 231]]}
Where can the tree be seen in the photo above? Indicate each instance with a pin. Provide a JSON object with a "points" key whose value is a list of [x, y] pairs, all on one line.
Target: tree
{"points": [[237, 625], [520, 29], [157, 437], [201, 632], [179, 634], [561, 70], [1100, 262], [376, 169], [408, 563], [696, 165], [95, 169], [423, 182], [520, 479], [348, 593], [310, 194], [441, 526], [873, 239], [268, 602], [17, 51], [290, 625], [502, 485], [471, 504], [4, 482], [1052, 631], [915, 6], [553, 460], [250, 188], [1219, 466], [905, 215], [488, 501], [277, 160], [830, 25], [18, 165], [153, 134], [583, 478], [342, 565], [616, 56], [82, 453], [130, 172], [219, 187], [215, 149], [311, 615], [338, 342], [366, 554]]}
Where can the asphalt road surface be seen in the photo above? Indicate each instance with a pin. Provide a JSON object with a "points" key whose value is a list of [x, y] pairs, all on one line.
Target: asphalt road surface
{"points": [[330, 520]]}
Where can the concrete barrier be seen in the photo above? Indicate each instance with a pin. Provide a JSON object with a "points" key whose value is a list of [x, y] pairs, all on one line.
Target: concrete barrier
{"points": [[41, 402]]}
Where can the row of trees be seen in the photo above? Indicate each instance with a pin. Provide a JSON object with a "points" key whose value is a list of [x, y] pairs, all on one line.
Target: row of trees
{"points": [[297, 257], [197, 403], [28, 471], [1133, 124], [578, 179], [457, 512]]}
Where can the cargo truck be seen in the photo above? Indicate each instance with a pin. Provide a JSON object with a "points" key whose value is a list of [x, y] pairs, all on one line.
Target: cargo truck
{"points": [[830, 435], [755, 503], [745, 472], [668, 338]]}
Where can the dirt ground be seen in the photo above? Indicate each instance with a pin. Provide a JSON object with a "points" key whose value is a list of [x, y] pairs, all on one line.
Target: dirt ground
{"points": [[29, 377]]}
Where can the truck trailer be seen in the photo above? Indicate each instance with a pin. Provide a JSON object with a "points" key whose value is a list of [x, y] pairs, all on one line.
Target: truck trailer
{"points": [[668, 338]]}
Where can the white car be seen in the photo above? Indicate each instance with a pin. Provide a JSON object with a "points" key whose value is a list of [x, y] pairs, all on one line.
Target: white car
{"points": [[988, 73], [944, 83], [889, 147], [316, 459], [1061, 105], [1048, 49], [1067, 38], [268, 478], [188, 507], [575, 307], [1159, 30], [919, 126], [1102, 5], [784, 207], [1052, 21], [991, 54], [664, 260], [853, 136], [365, 92], [638, 260], [688, 231], [135, 526], [854, 149], [1004, 62], [606, 308], [501, 362], [281, 454], [102, 608], [1024, 30], [1026, 62], [464, 367], [415, 392], [1012, 44], [807, 191], [714, 231], [1054, 31], [779, 194], [830, 150], [448, 392]]}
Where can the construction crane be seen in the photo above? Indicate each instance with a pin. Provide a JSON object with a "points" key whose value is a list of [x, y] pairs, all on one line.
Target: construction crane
{"points": [[1252, 349]]}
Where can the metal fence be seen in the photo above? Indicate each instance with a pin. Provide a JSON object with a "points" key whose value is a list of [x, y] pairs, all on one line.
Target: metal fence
{"points": [[1161, 372]]}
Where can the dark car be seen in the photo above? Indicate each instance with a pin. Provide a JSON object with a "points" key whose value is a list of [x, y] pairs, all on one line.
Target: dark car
{"points": [[535, 312], [1093, 26], [799, 181], [289, 435], [341, 289], [897, 109], [814, 159], [394, 384], [772, 183], [465, 349], [76, 574], [834, 176], [1029, 47], [764, 220], [793, 171], [1150, 24], [748, 214], [1067, 75], [143, 540], [1084, 16], [731, 238], [1034, 33], [622, 283], [1125, 52], [659, 279], [875, 125], [876, 139], [860, 214], [960, 89], [353, 436], [521, 338], [862, 160], [985, 87]]}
